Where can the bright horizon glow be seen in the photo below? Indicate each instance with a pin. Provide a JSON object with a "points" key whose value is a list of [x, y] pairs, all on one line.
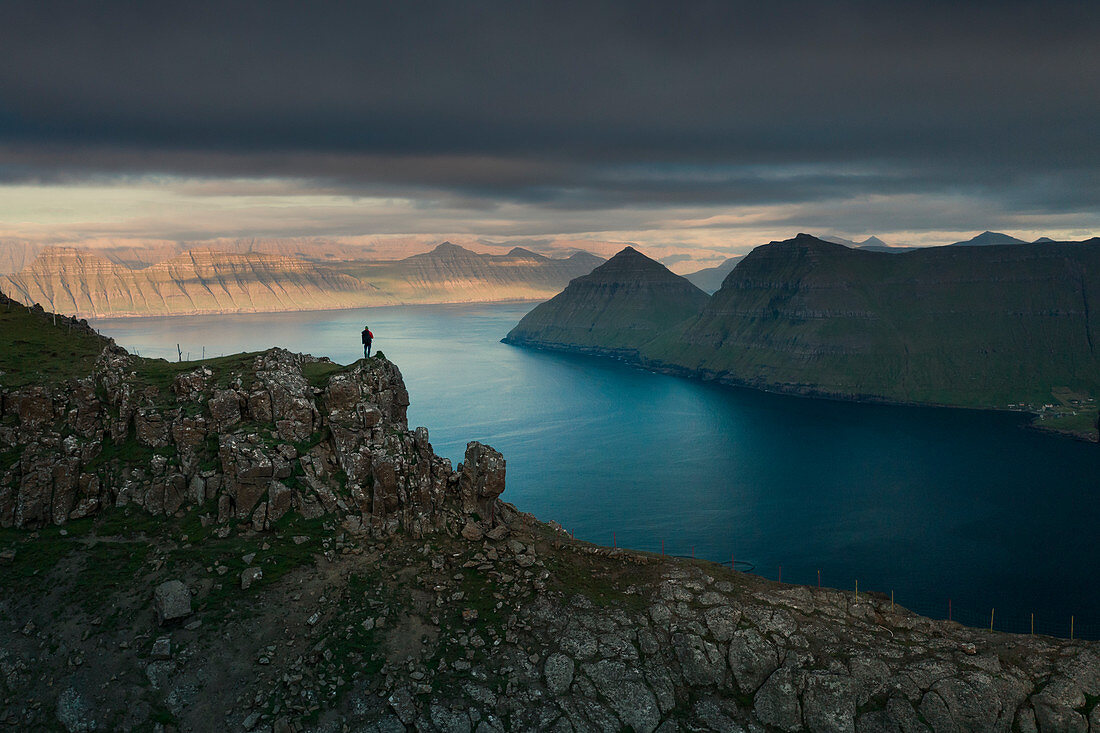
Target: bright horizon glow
{"points": [[152, 210]]}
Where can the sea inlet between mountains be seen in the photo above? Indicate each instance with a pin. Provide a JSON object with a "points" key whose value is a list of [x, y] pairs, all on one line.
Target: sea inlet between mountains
{"points": [[956, 511]]}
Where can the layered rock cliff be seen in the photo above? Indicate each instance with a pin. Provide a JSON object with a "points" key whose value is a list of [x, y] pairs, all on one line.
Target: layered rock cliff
{"points": [[201, 281], [71, 281], [259, 543]]}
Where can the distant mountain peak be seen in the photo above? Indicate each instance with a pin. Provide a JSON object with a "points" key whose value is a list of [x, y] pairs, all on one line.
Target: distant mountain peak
{"points": [[810, 242], [521, 252], [873, 241], [449, 248], [629, 258], [1043, 240], [988, 237]]}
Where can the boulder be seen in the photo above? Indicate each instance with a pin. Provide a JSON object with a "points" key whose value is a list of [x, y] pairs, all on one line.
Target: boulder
{"points": [[162, 648], [558, 672], [250, 576], [481, 480], [171, 602], [473, 531], [73, 712]]}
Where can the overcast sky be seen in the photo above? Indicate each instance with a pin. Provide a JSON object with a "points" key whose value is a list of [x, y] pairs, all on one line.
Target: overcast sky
{"points": [[698, 128]]}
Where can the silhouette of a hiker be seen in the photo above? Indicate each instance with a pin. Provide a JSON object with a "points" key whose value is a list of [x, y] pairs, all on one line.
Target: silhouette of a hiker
{"points": [[367, 338]]}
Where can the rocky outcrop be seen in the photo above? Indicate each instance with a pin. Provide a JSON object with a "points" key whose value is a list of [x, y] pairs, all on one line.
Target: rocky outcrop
{"points": [[249, 443], [529, 631], [404, 595]]}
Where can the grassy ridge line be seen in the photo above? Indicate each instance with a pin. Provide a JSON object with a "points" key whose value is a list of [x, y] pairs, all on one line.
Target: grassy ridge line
{"points": [[38, 348]]}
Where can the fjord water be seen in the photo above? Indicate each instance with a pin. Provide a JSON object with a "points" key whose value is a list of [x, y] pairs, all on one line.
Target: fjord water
{"points": [[934, 504]]}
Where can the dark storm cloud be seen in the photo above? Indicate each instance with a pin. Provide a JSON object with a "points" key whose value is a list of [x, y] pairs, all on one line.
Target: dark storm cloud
{"points": [[572, 105]]}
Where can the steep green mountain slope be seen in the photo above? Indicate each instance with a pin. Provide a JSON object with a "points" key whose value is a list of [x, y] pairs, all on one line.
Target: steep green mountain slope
{"points": [[626, 302], [991, 326], [969, 326]]}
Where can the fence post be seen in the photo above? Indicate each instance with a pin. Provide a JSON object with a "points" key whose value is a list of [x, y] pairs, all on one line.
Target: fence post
{"points": [[857, 587], [991, 611], [818, 578], [1071, 628], [1033, 624]]}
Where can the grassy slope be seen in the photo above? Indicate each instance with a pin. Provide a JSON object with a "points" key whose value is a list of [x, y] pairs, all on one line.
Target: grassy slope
{"points": [[33, 350], [957, 326], [621, 304]]}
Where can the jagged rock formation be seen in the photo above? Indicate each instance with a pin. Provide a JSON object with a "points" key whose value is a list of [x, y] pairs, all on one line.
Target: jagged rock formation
{"points": [[73, 281], [281, 553], [627, 301], [252, 436], [522, 630], [974, 326]]}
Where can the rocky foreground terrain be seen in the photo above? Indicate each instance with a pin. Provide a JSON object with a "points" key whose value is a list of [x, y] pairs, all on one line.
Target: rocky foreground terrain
{"points": [[259, 542]]}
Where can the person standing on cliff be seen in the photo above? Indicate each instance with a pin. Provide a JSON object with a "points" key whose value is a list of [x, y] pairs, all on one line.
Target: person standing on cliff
{"points": [[367, 338]]}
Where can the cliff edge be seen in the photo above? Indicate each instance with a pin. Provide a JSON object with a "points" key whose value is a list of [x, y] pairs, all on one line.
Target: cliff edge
{"points": [[260, 543]]}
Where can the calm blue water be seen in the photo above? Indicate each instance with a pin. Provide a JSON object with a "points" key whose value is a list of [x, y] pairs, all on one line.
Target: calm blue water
{"points": [[931, 503]]}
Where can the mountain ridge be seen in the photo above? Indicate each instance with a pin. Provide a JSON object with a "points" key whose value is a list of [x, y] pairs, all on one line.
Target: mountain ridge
{"points": [[203, 280], [629, 287], [709, 279], [985, 326]]}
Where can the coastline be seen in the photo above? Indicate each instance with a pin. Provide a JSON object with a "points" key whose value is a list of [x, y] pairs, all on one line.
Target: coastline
{"points": [[127, 315], [634, 358]]}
